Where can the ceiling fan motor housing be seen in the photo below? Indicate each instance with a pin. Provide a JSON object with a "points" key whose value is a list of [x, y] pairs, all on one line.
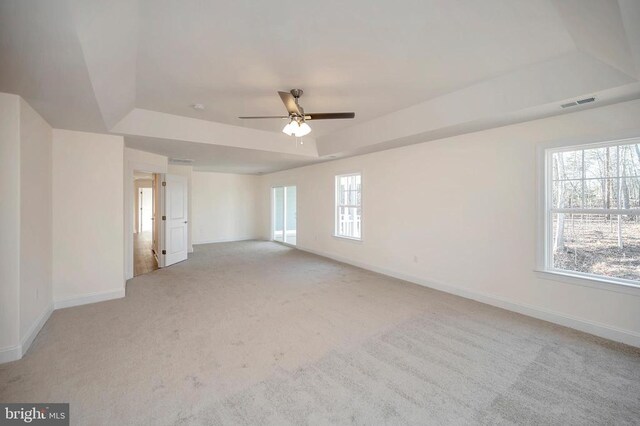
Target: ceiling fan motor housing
{"points": [[297, 114]]}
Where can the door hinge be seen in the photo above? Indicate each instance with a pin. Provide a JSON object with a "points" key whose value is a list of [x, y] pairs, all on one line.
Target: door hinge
{"points": [[164, 183], [164, 218], [164, 252]]}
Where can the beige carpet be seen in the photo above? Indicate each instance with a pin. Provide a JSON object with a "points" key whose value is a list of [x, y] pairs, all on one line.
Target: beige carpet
{"points": [[257, 333]]}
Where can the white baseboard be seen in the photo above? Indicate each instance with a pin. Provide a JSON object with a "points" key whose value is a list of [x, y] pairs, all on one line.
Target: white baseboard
{"points": [[628, 337], [89, 298], [224, 240], [14, 353], [35, 329], [10, 353]]}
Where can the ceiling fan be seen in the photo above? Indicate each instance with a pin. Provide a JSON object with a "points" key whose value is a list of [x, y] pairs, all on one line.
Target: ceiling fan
{"points": [[297, 125]]}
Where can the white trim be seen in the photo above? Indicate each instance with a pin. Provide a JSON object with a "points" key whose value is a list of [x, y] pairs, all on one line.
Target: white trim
{"points": [[10, 353], [132, 166], [336, 205], [89, 298], [593, 281], [351, 239], [35, 328], [225, 240], [572, 146], [544, 256], [272, 215], [14, 353], [621, 212], [628, 337], [284, 244]]}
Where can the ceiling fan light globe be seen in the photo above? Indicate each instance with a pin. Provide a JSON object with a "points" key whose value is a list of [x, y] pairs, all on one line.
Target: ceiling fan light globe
{"points": [[290, 128], [302, 130]]}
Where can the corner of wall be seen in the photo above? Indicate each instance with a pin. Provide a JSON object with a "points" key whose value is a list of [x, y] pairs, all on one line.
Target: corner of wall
{"points": [[26, 184], [93, 165], [9, 225]]}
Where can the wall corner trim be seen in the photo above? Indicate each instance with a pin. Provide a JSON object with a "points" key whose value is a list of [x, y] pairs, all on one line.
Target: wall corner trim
{"points": [[35, 329], [628, 337], [11, 353], [14, 353]]}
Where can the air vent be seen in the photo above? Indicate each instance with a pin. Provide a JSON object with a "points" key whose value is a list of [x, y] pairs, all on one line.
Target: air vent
{"points": [[180, 161], [579, 102], [586, 100]]}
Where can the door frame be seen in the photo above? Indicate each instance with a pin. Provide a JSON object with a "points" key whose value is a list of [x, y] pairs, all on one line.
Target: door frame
{"points": [[273, 214], [131, 167]]}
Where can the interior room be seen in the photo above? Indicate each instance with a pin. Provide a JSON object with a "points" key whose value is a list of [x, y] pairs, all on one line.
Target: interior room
{"points": [[320, 212], [145, 244]]}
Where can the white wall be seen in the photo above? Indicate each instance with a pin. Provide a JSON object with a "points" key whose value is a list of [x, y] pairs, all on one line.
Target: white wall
{"points": [[35, 221], [88, 214], [224, 207], [460, 214], [9, 224], [25, 225]]}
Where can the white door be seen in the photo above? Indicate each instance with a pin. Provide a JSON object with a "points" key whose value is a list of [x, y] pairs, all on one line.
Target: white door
{"points": [[175, 219], [146, 209]]}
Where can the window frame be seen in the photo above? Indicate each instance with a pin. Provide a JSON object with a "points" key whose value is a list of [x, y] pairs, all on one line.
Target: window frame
{"points": [[545, 268], [337, 205]]}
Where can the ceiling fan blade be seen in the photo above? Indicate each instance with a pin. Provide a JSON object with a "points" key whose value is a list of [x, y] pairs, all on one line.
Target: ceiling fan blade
{"points": [[266, 116], [290, 103], [328, 115]]}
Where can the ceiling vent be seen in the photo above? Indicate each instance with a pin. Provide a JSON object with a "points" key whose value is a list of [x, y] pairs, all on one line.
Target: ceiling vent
{"points": [[181, 161], [578, 102], [585, 101]]}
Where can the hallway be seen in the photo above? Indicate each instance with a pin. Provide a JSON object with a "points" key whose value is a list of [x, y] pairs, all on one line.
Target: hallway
{"points": [[143, 259]]}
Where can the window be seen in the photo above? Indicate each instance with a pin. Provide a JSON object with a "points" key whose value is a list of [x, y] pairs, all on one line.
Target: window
{"points": [[592, 215], [349, 206]]}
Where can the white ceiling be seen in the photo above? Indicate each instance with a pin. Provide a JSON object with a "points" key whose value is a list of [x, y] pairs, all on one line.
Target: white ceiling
{"points": [[110, 66], [364, 56]]}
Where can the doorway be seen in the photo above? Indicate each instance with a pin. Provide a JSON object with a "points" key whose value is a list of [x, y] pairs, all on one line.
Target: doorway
{"points": [[285, 214], [144, 230]]}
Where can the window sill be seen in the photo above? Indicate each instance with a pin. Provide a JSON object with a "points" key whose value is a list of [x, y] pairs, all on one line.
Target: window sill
{"points": [[590, 281], [353, 240]]}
